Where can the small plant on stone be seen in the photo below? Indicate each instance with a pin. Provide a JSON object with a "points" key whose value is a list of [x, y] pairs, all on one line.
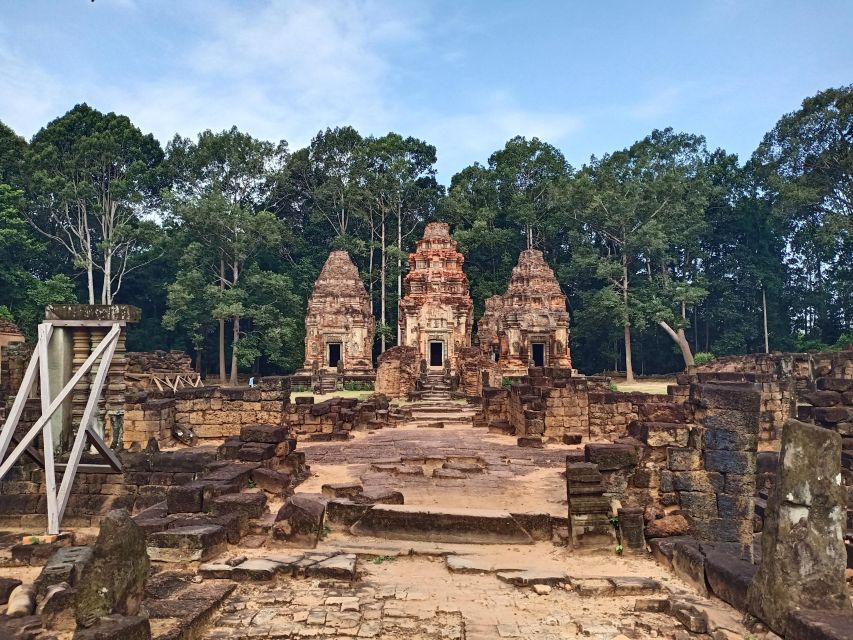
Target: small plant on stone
{"points": [[703, 357], [614, 520], [325, 531], [619, 549], [612, 386], [251, 483], [381, 559]]}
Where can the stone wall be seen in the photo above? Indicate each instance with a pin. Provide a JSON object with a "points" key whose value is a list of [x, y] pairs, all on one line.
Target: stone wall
{"points": [[476, 370], [557, 406], [208, 412], [335, 418], [778, 398], [397, 373]]}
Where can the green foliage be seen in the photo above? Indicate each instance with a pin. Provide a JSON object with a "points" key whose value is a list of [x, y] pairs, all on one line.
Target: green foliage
{"points": [[703, 357], [358, 385], [619, 549], [685, 247], [381, 559], [611, 386]]}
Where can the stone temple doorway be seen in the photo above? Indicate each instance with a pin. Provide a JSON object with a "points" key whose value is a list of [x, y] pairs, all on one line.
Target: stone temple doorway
{"points": [[538, 354], [436, 353], [334, 350]]}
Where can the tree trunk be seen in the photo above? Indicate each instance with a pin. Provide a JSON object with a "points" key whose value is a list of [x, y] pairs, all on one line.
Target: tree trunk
{"points": [[382, 285], [399, 266], [235, 338], [198, 360], [680, 339], [629, 367], [222, 324], [764, 308]]}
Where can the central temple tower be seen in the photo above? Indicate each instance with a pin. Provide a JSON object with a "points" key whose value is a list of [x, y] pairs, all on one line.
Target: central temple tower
{"points": [[436, 314]]}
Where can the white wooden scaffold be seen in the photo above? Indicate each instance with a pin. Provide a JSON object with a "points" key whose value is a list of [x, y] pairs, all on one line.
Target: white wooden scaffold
{"points": [[57, 498]]}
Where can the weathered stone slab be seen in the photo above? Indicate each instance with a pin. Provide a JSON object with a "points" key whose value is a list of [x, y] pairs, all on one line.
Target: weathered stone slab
{"points": [[811, 624], [688, 562], [187, 544], [268, 433], [729, 577], [300, 520], [7, 585], [117, 627], [475, 526], [530, 577], [339, 567], [113, 581], [803, 553]]}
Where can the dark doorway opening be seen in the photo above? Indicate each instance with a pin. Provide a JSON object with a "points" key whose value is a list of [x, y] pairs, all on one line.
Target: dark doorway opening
{"points": [[538, 354], [436, 354], [334, 353]]}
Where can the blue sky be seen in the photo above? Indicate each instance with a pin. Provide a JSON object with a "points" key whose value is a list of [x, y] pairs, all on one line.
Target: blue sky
{"points": [[589, 77]]}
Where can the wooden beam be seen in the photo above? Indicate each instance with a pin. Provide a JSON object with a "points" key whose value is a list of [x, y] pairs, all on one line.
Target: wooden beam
{"points": [[45, 331]]}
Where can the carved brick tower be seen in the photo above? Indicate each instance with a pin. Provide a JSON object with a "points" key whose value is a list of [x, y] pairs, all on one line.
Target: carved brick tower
{"points": [[339, 325], [436, 314], [528, 325]]}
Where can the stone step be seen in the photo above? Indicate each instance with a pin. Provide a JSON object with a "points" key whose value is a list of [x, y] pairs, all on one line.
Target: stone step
{"points": [[187, 544], [435, 524]]}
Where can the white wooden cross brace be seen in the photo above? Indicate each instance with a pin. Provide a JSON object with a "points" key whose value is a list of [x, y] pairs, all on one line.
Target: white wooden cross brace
{"points": [[57, 502]]}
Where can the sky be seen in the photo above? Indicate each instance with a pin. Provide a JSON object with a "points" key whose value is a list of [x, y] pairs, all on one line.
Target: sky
{"points": [[588, 77]]}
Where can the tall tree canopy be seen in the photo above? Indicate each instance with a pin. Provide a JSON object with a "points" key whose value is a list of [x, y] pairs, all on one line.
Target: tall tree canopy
{"points": [[664, 248]]}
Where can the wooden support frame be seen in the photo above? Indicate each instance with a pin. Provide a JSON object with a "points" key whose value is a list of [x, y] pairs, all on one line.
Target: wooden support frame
{"points": [[57, 500]]}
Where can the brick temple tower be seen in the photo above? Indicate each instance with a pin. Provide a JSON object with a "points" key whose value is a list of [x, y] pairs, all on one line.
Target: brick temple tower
{"points": [[436, 313], [339, 324], [528, 326]]}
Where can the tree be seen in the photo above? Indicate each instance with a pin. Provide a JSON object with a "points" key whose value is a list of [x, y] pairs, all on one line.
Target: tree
{"points": [[527, 174], [643, 208], [805, 168], [220, 184], [401, 189], [91, 174]]}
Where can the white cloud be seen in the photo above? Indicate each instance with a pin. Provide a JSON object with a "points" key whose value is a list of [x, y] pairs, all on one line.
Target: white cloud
{"points": [[285, 70]]}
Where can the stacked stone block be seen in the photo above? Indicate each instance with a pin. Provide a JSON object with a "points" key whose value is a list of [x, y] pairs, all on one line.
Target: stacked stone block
{"points": [[218, 412], [589, 509], [147, 417], [397, 372], [803, 552], [715, 474], [494, 411], [335, 418]]}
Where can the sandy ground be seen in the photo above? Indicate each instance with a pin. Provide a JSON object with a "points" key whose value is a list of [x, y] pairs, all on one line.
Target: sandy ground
{"points": [[657, 385]]}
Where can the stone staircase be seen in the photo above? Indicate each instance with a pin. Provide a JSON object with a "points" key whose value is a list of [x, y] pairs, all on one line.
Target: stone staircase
{"points": [[328, 381], [436, 388]]}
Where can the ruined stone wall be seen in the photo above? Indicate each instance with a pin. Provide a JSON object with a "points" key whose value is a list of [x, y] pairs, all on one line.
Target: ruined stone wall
{"points": [[556, 406], [397, 373], [474, 368], [158, 362], [217, 412], [13, 363], [209, 412], [494, 410], [335, 418]]}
